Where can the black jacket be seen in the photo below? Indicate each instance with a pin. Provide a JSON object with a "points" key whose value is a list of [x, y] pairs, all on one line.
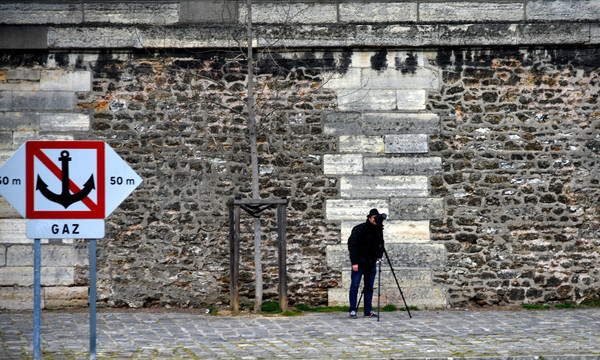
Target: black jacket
{"points": [[365, 244]]}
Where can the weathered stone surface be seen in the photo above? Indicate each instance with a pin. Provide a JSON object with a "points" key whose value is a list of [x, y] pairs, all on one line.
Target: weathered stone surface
{"points": [[23, 37], [383, 186], [7, 211], [584, 10], [402, 165], [353, 209], [290, 13], [60, 297], [361, 144], [19, 121], [19, 298], [358, 12], [394, 231], [96, 37], [511, 135], [65, 81], [5, 144], [20, 137], [341, 164], [398, 75], [524, 211], [349, 100], [350, 79], [59, 122], [149, 12], [405, 254], [406, 144], [51, 255], [410, 100], [416, 208], [406, 277], [212, 11], [343, 123], [51, 100], [23, 276], [12, 231], [40, 13], [471, 11], [23, 74], [400, 123], [423, 298]]}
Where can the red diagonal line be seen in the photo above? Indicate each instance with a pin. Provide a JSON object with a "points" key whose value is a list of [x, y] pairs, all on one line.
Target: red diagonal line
{"points": [[58, 173]]}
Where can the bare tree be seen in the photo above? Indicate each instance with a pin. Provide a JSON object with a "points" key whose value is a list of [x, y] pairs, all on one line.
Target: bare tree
{"points": [[254, 159]]}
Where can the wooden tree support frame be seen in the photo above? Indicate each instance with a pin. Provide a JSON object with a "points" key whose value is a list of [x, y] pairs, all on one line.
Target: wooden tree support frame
{"points": [[234, 245]]}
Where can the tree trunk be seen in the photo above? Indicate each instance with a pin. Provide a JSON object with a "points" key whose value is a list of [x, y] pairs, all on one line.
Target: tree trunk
{"points": [[254, 162]]}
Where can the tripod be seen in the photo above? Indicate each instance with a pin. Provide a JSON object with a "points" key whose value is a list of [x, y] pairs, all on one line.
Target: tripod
{"points": [[379, 286]]}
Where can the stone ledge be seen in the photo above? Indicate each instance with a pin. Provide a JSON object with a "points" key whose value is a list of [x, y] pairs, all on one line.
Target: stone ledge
{"points": [[276, 12], [459, 11], [301, 35]]}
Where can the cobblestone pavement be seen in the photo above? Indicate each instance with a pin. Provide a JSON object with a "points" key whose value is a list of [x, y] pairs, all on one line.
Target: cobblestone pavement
{"points": [[551, 334]]}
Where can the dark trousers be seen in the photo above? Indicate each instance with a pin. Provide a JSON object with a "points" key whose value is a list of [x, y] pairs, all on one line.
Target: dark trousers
{"points": [[356, 276]]}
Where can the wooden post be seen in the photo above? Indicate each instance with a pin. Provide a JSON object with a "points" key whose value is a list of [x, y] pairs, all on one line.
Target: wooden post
{"points": [[281, 220], [234, 245]]}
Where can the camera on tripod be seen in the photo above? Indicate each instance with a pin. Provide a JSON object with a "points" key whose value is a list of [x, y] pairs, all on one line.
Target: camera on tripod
{"points": [[379, 218]]}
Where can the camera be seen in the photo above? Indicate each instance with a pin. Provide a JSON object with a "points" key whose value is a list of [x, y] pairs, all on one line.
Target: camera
{"points": [[379, 219]]}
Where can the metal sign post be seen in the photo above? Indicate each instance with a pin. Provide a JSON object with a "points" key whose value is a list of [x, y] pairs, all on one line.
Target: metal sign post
{"points": [[93, 299], [65, 189], [37, 266]]}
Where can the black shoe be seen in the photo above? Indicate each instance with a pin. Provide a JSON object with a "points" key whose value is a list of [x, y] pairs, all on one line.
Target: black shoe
{"points": [[371, 315]]}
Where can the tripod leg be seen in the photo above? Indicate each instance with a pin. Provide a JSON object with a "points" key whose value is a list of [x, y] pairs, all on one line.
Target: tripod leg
{"points": [[359, 299], [397, 283], [378, 289]]}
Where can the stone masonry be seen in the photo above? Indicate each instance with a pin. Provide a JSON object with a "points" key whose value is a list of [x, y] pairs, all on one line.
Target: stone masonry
{"points": [[473, 124], [382, 128], [40, 104], [519, 146]]}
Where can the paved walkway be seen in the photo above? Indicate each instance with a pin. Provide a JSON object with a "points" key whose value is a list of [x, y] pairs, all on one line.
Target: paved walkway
{"points": [[551, 334]]}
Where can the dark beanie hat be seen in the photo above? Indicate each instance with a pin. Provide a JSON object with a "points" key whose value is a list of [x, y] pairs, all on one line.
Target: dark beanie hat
{"points": [[373, 212]]}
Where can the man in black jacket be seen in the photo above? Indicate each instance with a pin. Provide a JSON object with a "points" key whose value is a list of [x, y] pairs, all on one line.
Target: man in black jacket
{"points": [[366, 248]]}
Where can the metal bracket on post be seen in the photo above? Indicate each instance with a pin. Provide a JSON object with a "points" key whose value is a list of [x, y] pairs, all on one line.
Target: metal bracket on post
{"points": [[254, 207]]}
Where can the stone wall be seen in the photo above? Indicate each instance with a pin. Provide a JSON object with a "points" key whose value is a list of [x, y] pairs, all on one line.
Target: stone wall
{"points": [[520, 153], [178, 120], [472, 123], [296, 23], [382, 127]]}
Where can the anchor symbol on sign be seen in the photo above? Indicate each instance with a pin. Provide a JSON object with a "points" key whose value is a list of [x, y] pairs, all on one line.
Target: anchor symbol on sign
{"points": [[65, 198]]}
